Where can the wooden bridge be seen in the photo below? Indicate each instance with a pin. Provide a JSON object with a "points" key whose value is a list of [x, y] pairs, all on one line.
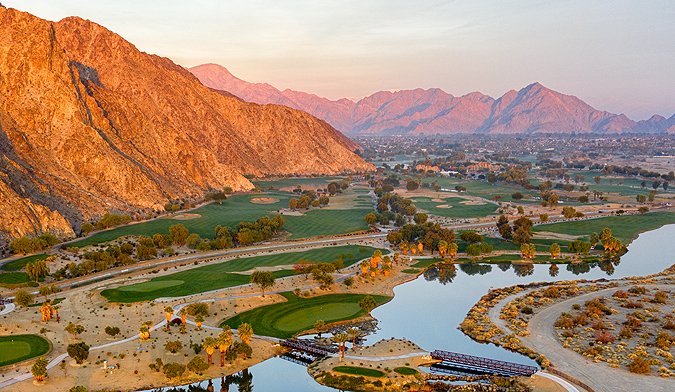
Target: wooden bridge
{"points": [[483, 365], [307, 347]]}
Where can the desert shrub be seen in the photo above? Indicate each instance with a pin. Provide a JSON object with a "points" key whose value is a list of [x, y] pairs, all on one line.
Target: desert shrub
{"points": [[604, 337], [669, 324], [552, 292], [564, 323], [620, 294], [632, 323], [599, 326], [626, 333], [580, 320], [638, 290], [526, 310], [630, 304], [663, 341], [660, 297], [639, 366]]}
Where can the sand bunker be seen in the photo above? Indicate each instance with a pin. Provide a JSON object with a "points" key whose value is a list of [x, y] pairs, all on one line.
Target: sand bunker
{"points": [[473, 202], [444, 206], [186, 216], [438, 200], [547, 235], [264, 200]]}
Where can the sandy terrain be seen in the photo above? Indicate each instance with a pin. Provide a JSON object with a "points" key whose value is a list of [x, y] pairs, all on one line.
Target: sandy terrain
{"points": [[443, 206], [264, 200], [186, 216]]}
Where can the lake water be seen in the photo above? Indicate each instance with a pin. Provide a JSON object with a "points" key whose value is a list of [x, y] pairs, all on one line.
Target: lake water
{"points": [[428, 312]]}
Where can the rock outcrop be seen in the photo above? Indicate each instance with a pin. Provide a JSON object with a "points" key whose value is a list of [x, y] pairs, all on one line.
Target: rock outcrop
{"points": [[533, 109], [88, 124]]}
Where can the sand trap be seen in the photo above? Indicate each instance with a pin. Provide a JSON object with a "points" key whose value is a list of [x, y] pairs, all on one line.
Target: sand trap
{"points": [[473, 202], [186, 216], [289, 212], [264, 200], [547, 235], [438, 200], [444, 206]]}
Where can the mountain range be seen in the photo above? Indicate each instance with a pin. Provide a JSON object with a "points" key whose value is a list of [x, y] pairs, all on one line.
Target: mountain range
{"points": [[532, 109], [90, 124]]}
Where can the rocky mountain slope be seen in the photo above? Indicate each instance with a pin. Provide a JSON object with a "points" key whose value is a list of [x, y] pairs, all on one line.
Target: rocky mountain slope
{"points": [[532, 109], [89, 124]]}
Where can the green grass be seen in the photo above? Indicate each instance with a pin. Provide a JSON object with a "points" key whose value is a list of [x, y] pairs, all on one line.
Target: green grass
{"points": [[16, 278], [359, 371], [305, 183], [16, 265], [239, 208], [223, 275], [410, 271], [326, 222], [425, 263], [17, 348], [405, 371], [458, 210], [626, 228], [285, 319]]}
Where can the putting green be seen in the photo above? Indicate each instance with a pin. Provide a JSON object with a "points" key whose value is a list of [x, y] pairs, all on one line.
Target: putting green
{"points": [[283, 320], [295, 320], [18, 348], [151, 286]]}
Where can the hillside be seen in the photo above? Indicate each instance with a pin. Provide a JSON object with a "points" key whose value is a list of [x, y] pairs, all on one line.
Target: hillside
{"points": [[89, 124], [532, 109]]}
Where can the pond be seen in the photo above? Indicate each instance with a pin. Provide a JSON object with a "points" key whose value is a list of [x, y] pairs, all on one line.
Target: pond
{"points": [[428, 312]]}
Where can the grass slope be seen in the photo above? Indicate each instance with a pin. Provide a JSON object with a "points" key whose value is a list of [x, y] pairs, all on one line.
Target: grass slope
{"points": [[626, 228], [458, 210], [16, 278], [222, 275], [285, 319], [17, 348], [326, 222], [16, 265], [359, 371]]}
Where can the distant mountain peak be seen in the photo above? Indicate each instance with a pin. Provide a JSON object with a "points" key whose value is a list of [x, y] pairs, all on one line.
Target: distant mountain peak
{"points": [[534, 108]]}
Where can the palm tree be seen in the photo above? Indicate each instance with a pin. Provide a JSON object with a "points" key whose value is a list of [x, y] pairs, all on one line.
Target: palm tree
{"points": [[169, 313], [354, 333], [147, 325], [56, 310], [199, 319], [340, 339], [245, 332], [224, 342], [209, 344], [182, 313]]}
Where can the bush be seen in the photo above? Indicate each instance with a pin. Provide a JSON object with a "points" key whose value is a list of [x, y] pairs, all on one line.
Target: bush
{"points": [[197, 365], [638, 290], [639, 366], [526, 310], [604, 337], [620, 294], [660, 297], [174, 370], [78, 351], [630, 304]]}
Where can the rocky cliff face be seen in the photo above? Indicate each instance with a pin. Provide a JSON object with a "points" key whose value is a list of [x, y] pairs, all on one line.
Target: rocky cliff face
{"points": [[533, 109], [88, 123]]}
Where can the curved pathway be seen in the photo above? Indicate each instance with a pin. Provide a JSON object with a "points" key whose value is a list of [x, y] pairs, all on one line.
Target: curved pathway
{"points": [[544, 339], [8, 308]]}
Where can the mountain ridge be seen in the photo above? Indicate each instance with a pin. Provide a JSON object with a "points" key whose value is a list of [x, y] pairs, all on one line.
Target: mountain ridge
{"points": [[532, 109], [90, 124]]}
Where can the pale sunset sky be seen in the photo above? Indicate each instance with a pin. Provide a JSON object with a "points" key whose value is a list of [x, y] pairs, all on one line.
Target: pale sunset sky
{"points": [[617, 55]]}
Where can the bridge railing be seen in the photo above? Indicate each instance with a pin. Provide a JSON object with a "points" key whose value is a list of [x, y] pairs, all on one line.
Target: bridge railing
{"points": [[485, 363], [310, 348]]}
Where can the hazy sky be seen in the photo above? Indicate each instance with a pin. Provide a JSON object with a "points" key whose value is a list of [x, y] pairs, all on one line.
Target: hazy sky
{"points": [[617, 55]]}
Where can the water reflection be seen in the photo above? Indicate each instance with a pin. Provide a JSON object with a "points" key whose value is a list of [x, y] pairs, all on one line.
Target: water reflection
{"points": [[428, 313], [523, 270]]}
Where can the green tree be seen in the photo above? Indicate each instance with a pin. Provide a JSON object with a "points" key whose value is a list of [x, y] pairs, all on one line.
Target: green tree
{"points": [[596, 179], [173, 346], [651, 196], [174, 370], [78, 388], [471, 236], [473, 250], [112, 331], [197, 365], [527, 250], [39, 369], [224, 342], [555, 250], [368, 303], [318, 326], [21, 245], [569, 212], [74, 329], [78, 351], [411, 185], [262, 279], [371, 218], [37, 270], [641, 198], [583, 199], [420, 218], [192, 240], [178, 233], [23, 298], [543, 218], [198, 308], [227, 190], [553, 200], [354, 333], [87, 228]]}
